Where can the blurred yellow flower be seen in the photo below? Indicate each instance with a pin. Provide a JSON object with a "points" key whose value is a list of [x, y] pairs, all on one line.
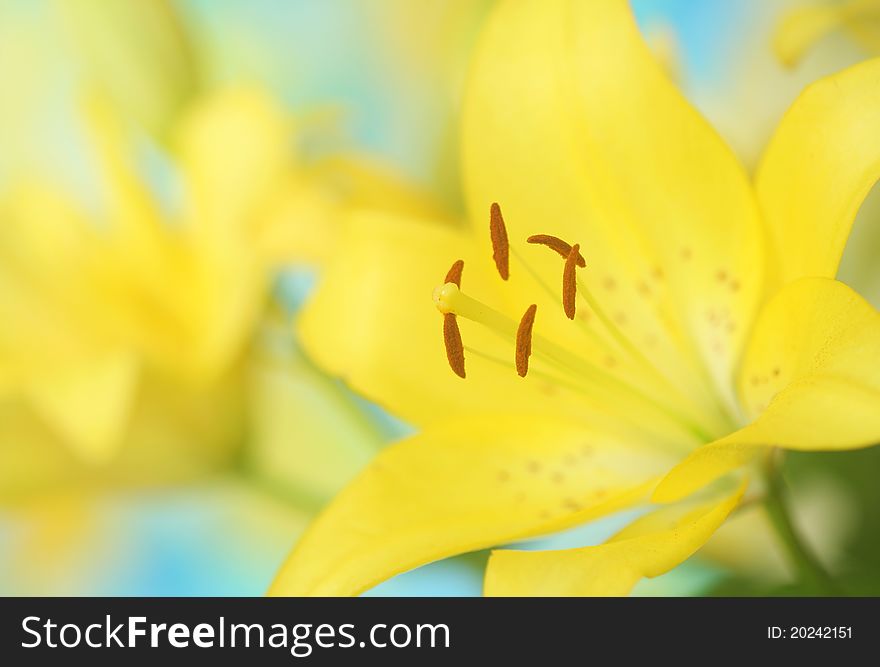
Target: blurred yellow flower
{"points": [[143, 343], [89, 301], [711, 331], [141, 329], [802, 27], [170, 287]]}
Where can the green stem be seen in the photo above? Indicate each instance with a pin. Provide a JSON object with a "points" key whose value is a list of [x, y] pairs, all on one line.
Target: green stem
{"points": [[802, 557]]}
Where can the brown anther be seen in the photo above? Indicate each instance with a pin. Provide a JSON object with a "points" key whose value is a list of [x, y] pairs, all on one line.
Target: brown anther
{"points": [[454, 346], [569, 282], [454, 275], [557, 244], [500, 245], [524, 340]]}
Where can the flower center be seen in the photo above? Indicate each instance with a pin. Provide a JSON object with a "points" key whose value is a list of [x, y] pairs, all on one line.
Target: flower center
{"points": [[652, 396]]}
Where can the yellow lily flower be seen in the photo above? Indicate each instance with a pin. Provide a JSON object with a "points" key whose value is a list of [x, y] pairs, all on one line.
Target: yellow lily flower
{"points": [[701, 327]]}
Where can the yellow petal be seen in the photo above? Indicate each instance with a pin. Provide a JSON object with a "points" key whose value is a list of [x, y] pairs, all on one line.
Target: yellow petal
{"points": [[801, 28], [43, 251], [364, 182], [462, 486], [186, 292], [302, 221], [810, 381], [89, 405], [134, 215], [817, 170], [604, 151], [33, 459], [650, 546], [863, 24], [235, 148], [306, 432], [811, 374], [138, 53], [173, 434]]}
